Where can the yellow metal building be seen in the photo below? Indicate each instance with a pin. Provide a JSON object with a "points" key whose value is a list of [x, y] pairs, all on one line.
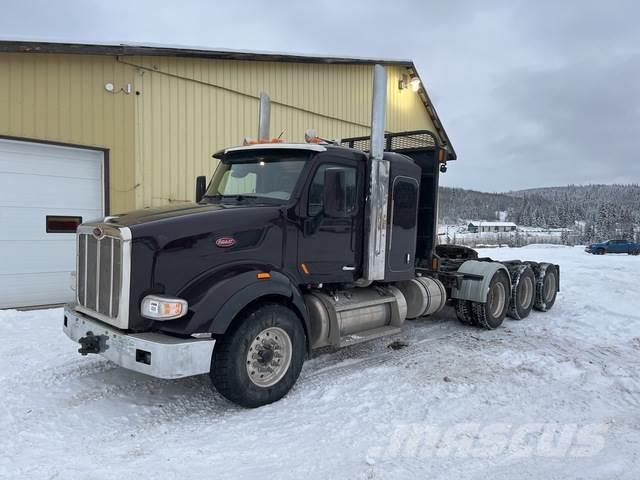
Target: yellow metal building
{"points": [[145, 121], [171, 108]]}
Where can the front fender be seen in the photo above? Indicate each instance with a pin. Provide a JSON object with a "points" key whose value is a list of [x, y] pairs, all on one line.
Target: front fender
{"points": [[215, 305], [476, 280]]}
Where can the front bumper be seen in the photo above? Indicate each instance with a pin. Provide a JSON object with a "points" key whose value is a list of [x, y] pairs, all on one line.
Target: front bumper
{"points": [[152, 353]]}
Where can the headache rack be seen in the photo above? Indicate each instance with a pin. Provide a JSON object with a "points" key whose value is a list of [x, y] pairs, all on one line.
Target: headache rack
{"points": [[396, 142]]}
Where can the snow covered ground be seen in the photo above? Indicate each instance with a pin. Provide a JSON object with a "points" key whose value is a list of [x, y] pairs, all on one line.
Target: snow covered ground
{"points": [[554, 396]]}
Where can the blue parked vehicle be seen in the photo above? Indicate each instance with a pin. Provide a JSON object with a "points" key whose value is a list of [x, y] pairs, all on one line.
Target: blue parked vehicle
{"points": [[614, 246]]}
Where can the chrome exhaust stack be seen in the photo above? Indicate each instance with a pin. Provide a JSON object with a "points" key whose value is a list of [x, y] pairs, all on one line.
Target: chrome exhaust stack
{"points": [[264, 117], [378, 198]]}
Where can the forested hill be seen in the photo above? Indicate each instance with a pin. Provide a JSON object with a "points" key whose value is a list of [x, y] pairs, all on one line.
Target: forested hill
{"points": [[601, 206]]}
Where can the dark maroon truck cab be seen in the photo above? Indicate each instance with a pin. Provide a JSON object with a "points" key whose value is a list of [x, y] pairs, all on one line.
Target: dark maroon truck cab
{"points": [[209, 252]]}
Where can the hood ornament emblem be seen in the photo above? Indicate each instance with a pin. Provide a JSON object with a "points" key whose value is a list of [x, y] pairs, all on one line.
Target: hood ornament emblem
{"points": [[98, 232]]}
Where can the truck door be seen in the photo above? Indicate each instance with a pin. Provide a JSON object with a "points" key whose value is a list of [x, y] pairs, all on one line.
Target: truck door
{"points": [[330, 249]]}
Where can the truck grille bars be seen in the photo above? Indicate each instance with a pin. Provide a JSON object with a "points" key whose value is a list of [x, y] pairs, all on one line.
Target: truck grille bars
{"points": [[99, 275], [102, 272]]}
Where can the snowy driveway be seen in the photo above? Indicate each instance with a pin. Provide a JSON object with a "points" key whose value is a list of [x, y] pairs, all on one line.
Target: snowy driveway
{"points": [[551, 384]]}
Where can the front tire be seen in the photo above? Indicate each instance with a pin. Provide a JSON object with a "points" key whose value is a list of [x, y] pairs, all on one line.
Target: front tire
{"points": [[259, 359], [490, 314]]}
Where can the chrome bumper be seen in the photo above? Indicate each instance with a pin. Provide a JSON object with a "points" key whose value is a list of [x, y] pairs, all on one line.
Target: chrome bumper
{"points": [[152, 353]]}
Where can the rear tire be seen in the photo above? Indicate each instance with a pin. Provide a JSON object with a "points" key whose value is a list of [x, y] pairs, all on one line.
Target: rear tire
{"points": [[464, 312], [546, 287], [490, 314], [523, 292], [259, 359]]}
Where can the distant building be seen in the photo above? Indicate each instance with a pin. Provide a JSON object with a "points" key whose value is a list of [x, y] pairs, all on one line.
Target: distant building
{"points": [[493, 227]]}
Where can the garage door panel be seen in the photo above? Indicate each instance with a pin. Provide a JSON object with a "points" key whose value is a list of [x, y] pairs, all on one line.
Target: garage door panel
{"points": [[37, 180], [33, 165], [32, 158], [42, 191], [30, 223], [50, 257], [36, 289]]}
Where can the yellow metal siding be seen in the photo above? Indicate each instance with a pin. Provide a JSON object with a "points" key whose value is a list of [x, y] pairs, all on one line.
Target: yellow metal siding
{"points": [[190, 108], [186, 110], [61, 98]]}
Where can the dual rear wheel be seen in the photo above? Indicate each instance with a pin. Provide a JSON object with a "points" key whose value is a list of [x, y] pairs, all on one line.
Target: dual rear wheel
{"points": [[532, 286], [490, 314]]}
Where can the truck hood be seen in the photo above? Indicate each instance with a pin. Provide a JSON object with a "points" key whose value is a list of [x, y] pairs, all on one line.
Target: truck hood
{"points": [[137, 217]]}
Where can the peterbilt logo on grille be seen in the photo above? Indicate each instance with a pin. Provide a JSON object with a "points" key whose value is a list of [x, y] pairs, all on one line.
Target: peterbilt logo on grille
{"points": [[98, 233], [225, 242]]}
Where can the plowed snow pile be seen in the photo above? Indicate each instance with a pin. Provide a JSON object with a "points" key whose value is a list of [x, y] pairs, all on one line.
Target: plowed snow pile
{"points": [[554, 396]]}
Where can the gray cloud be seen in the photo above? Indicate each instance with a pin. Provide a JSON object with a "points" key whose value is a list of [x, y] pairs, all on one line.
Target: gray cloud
{"points": [[531, 93]]}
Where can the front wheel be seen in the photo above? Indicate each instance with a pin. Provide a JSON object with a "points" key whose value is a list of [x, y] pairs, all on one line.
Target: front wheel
{"points": [[260, 358]]}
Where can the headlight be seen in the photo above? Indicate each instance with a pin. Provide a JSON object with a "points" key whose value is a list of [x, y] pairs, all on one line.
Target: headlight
{"points": [[159, 307]]}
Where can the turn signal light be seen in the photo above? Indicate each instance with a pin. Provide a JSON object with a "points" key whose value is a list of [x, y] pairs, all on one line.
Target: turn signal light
{"points": [[263, 275], [158, 307], [435, 263]]}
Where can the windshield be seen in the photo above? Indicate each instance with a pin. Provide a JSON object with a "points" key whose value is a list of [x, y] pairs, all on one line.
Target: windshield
{"points": [[265, 177]]}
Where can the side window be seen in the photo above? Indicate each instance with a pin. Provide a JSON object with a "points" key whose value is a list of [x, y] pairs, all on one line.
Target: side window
{"points": [[316, 188], [405, 203]]}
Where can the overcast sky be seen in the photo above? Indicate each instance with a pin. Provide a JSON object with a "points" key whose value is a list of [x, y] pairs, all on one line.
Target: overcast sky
{"points": [[531, 93]]}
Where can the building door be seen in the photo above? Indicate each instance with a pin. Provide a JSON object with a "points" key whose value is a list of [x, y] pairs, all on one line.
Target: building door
{"points": [[45, 191]]}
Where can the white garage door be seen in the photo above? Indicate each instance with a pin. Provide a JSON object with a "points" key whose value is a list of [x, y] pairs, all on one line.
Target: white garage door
{"points": [[44, 190]]}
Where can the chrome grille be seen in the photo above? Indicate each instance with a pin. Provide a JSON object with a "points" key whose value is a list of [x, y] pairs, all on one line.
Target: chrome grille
{"points": [[101, 276]]}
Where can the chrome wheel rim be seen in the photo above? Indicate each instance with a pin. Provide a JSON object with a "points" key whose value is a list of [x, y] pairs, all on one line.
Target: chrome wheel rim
{"points": [[497, 296], [549, 287], [269, 357], [527, 292]]}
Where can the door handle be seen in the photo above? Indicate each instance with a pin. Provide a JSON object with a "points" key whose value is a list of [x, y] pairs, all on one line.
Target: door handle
{"points": [[348, 268]]}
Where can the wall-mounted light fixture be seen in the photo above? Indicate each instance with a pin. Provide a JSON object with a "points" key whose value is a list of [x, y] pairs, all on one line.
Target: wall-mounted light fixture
{"points": [[111, 88], [407, 81]]}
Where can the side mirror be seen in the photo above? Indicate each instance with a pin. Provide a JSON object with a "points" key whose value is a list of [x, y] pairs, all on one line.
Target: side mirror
{"points": [[201, 187], [334, 195]]}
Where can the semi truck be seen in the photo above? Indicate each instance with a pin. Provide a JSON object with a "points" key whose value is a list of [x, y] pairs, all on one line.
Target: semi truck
{"points": [[291, 249]]}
